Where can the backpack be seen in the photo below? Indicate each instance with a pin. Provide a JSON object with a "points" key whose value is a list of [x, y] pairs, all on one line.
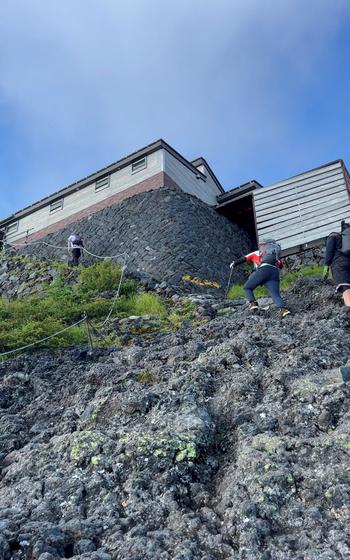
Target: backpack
{"points": [[77, 240], [345, 242], [270, 251]]}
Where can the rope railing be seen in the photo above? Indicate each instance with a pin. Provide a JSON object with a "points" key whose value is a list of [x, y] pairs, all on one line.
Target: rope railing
{"points": [[85, 318], [64, 248], [13, 351]]}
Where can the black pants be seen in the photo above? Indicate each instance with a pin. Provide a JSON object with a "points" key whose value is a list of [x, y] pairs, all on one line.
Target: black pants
{"points": [[268, 276], [76, 254]]}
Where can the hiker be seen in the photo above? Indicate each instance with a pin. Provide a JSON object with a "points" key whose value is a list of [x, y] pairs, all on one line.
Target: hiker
{"points": [[267, 264], [338, 259], [75, 248]]}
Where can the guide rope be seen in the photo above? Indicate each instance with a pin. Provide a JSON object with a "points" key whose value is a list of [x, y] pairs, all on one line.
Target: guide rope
{"points": [[85, 318], [14, 245], [42, 339]]}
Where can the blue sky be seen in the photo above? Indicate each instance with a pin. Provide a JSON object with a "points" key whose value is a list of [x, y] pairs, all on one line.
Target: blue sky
{"points": [[260, 88]]}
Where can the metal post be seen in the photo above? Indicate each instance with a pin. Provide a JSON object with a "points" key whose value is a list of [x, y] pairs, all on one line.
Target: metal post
{"points": [[89, 333], [229, 282]]}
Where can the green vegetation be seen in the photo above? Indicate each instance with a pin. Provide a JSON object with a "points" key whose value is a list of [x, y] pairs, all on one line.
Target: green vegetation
{"points": [[66, 300], [183, 311], [147, 377], [105, 276], [86, 446], [287, 281]]}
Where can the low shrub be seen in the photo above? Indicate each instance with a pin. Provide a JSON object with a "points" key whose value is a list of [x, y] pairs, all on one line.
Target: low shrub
{"points": [[66, 300], [100, 277], [148, 304]]}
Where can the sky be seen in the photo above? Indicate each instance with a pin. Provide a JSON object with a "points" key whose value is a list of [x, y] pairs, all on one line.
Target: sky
{"points": [[260, 88]]}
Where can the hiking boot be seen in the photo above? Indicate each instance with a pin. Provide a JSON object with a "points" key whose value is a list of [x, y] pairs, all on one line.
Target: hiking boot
{"points": [[252, 305], [345, 373], [284, 312]]}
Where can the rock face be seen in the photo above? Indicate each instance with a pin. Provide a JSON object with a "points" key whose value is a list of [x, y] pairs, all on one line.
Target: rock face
{"points": [[21, 277], [227, 441], [166, 233]]}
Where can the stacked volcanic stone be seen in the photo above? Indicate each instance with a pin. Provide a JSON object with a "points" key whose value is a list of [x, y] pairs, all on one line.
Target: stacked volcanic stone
{"points": [[166, 233]]}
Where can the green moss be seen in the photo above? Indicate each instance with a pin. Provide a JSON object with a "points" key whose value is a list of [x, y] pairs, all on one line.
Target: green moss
{"points": [[84, 445], [199, 323], [174, 320], [187, 452], [95, 413], [147, 377], [162, 445], [271, 444], [144, 329], [343, 441]]}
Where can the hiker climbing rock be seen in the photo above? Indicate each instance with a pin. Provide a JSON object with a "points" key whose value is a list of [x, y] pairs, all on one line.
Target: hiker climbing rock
{"points": [[338, 259], [267, 263], [75, 248]]}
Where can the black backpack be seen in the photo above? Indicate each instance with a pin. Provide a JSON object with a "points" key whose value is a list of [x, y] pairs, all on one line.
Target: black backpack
{"points": [[345, 242], [78, 240], [270, 251]]}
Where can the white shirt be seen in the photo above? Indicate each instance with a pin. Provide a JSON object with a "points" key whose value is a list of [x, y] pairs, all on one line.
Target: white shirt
{"points": [[74, 245]]}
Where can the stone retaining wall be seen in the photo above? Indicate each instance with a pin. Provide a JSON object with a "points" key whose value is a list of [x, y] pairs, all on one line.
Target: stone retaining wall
{"points": [[166, 233]]}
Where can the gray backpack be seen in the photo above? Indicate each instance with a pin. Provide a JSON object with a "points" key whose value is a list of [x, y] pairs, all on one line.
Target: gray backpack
{"points": [[345, 242], [270, 251]]}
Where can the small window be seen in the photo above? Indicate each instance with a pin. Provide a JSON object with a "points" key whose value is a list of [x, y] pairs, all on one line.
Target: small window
{"points": [[102, 184], [55, 206], [139, 165], [12, 228]]}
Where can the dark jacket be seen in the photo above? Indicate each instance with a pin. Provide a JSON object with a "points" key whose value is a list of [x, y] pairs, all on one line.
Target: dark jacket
{"points": [[334, 258]]}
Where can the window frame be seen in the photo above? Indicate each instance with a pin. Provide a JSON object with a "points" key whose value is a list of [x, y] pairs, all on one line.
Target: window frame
{"points": [[138, 161], [10, 231], [53, 209], [103, 185]]}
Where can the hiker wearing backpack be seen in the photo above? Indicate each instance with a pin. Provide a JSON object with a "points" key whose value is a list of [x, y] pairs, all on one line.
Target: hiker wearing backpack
{"points": [[267, 264], [75, 248], [338, 259]]}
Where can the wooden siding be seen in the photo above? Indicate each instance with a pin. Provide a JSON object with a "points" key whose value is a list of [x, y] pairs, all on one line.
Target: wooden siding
{"points": [[87, 197], [304, 208], [186, 179]]}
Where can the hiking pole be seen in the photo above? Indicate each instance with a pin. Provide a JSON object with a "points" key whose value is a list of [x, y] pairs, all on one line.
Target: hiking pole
{"points": [[229, 282]]}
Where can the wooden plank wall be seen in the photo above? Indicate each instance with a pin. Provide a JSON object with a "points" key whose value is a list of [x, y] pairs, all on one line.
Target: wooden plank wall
{"points": [[304, 208]]}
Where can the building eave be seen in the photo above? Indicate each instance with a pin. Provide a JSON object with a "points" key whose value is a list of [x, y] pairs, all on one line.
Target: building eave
{"points": [[201, 161], [82, 183], [237, 193]]}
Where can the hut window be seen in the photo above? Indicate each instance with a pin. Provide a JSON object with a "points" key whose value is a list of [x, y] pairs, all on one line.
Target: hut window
{"points": [[55, 206], [12, 228], [102, 184], [139, 165]]}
